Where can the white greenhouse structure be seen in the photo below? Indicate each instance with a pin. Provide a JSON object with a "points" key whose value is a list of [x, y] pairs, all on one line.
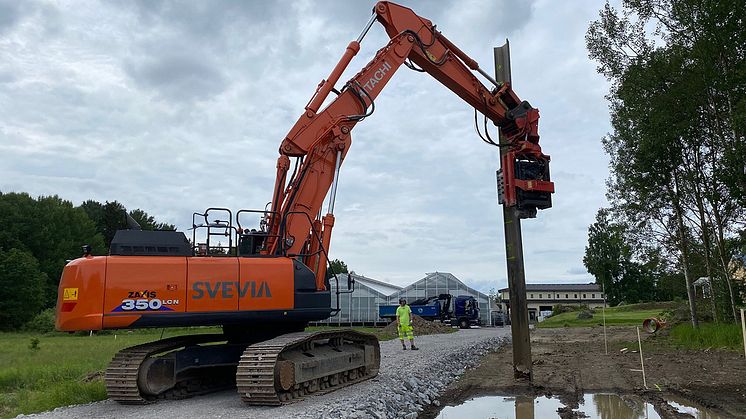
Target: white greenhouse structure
{"points": [[361, 306]]}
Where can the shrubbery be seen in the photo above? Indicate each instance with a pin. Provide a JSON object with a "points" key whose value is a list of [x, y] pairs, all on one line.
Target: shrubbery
{"points": [[37, 237], [562, 308], [42, 322], [22, 288], [585, 314]]}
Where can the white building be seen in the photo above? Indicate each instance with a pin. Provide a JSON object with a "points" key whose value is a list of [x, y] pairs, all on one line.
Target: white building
{"points": [[361, 306], [542, 297]]}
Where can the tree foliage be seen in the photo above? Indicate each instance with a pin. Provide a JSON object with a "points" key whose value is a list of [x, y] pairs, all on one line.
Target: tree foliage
{"points": [[610, 259], [678, 113], [22, 288], [50, 231], [148, 222], [336, 266], [112, 216]]}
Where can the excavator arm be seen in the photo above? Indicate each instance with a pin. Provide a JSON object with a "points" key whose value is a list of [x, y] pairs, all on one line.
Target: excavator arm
{"points": [[320, 139]]}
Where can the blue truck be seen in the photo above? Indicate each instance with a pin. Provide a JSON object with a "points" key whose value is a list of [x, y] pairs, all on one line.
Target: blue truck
{"points": [[464, 311]]}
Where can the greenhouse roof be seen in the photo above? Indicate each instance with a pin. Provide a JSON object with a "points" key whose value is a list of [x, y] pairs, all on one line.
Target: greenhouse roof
{"points": [[383, 287]]}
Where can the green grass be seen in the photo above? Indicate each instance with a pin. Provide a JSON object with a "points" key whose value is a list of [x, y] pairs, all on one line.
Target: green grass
{"points": [[66, 369], [62, 371], [628, 315], [709, 335]]}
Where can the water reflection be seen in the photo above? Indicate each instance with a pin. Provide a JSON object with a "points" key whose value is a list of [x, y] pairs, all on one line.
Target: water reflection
{"points": [[601, 406], [524, 407], [614, 406], [684, 406]]}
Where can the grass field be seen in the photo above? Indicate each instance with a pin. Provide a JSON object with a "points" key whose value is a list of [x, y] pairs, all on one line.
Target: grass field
{"points": [[709, 335], [629, 315], [64, 369]]}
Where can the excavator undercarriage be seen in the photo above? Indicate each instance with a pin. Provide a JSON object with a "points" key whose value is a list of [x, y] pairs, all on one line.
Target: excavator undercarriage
{"points": [[271, 372]]}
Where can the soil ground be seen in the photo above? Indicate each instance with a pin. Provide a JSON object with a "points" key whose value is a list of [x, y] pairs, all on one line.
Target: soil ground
{"points": [[571, 361]]}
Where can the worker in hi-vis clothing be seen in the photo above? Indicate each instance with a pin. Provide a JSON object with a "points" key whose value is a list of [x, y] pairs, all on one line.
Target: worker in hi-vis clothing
{"points": [[404, 324]]}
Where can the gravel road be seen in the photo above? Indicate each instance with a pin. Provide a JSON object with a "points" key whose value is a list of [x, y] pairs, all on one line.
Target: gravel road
{"points": [[407, 381]]}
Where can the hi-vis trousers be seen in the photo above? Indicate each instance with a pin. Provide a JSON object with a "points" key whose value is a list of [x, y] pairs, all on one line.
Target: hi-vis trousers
{"points": [[407, 331]]}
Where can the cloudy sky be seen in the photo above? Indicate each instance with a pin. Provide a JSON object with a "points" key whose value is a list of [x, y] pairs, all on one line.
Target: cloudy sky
{"points": [[176, 106]]}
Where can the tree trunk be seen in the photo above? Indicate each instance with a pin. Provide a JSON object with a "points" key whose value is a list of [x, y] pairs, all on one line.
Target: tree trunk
{"points": [[708, 255], [684, 251], [724, 263], [718, 215], [704, 227]]}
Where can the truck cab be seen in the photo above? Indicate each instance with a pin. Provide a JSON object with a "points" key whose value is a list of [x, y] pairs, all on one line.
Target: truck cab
{"points": [[465, 312]]}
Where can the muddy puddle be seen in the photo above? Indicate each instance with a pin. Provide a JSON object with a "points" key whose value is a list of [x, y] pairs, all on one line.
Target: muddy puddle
{"points": [[597, 405]]}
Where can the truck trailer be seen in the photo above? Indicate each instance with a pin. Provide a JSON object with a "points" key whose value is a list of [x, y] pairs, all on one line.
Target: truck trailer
{"points": [[464, 311]]}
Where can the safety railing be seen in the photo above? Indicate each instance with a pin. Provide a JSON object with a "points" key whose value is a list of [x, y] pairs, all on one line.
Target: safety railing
{"points": [[217, 222]]}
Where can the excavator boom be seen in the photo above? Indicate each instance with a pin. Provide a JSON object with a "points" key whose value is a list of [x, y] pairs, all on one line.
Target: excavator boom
{"points": [[321, 139]]}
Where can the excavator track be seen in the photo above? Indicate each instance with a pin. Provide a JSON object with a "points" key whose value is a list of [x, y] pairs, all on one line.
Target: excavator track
{"points": [[123, 372], [291, 366]]}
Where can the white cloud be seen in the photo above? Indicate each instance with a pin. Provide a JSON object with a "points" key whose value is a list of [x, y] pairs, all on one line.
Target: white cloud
{"points": [[176, 106]]}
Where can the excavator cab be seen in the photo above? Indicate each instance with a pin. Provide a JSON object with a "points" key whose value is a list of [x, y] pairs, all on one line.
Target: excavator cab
{"points": [[251, 242], [214, 234]]}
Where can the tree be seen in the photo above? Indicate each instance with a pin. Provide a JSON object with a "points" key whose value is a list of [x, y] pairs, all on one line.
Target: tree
{"points": [[111, 216], [670, 286], [336, 266], [609, 258], [605, 254], [22, 288], [679, 128], [49, 228], [148, 222]]}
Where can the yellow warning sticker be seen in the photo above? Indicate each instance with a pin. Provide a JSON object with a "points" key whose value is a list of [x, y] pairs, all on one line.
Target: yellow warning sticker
{"points": [[69, 294]]}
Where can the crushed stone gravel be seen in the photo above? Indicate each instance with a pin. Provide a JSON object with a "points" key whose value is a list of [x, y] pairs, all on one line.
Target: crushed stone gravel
{"points": [[408, 381]]}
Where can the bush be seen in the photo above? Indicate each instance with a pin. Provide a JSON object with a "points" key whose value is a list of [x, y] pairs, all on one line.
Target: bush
{"points": [[22, 288], [585, 314], [561, 308], [42, 322], [678, 314], [34, 345]]}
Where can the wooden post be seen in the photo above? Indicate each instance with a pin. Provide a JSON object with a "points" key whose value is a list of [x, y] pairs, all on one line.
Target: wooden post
{"points": [[603, 314], [514, 253], [743, 329], [642, 360]]}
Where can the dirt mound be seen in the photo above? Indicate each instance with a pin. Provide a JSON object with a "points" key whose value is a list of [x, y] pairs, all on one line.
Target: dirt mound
{"points": [[421, 327]]}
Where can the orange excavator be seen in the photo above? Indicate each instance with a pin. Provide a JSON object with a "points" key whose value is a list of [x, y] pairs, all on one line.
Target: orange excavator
{"points": [[266, 284]]}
